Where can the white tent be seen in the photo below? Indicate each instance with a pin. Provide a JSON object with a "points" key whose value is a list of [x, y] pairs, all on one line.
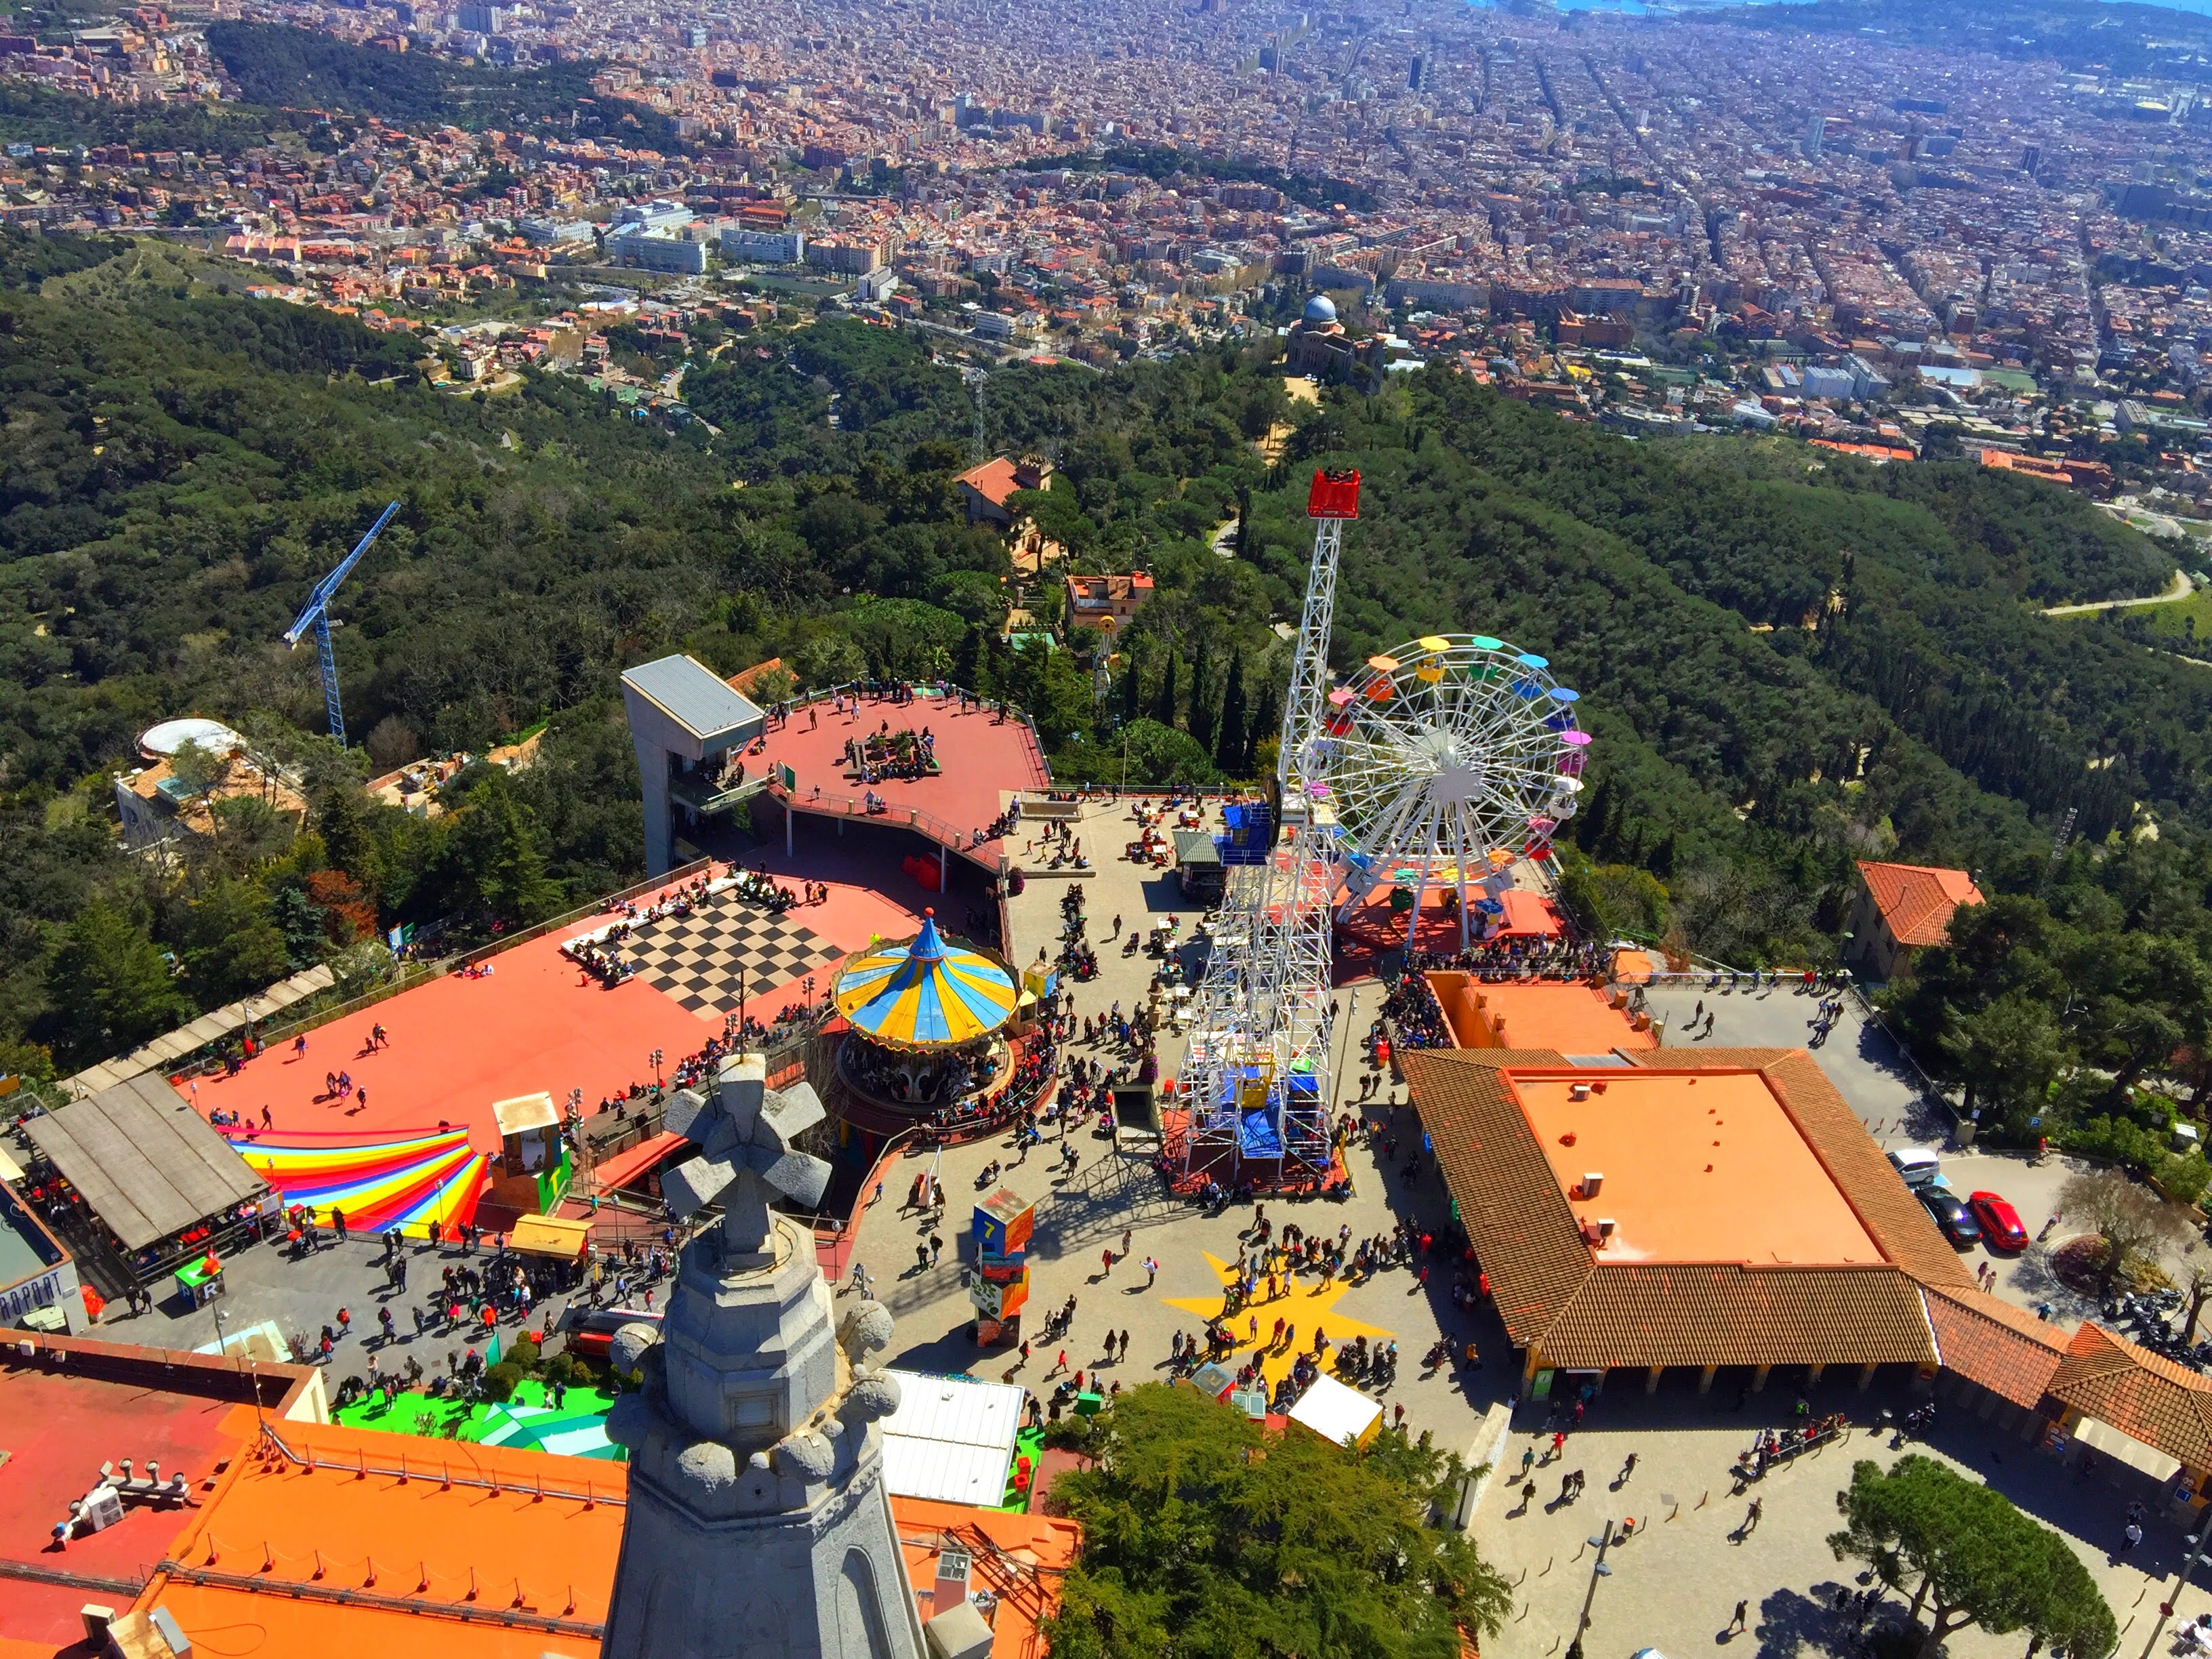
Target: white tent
{"points": [[952, 1439], [1342, 1416]]}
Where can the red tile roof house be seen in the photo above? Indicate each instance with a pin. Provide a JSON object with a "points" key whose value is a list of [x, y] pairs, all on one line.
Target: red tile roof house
{"points": [[986, 488], [1901, 908]]}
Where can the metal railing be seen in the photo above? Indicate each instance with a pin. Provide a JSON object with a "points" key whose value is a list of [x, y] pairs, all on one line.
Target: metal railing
{"points": [[940, 830]]}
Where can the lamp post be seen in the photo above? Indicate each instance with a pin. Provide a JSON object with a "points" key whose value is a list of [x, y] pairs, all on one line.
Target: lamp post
{"points": [[2188, 1564], [654, 1057], [1598, 1569], [741, 1005]]}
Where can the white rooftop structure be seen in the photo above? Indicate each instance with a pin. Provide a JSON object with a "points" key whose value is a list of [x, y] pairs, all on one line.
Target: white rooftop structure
{"points": [[1342, 1416], [160, 742], [951, 1439]]}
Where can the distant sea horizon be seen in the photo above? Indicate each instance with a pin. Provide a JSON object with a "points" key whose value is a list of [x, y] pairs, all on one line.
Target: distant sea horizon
{"points": [[1639, 9]]}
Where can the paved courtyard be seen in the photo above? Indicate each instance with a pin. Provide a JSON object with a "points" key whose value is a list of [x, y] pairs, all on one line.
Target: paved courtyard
{"points": [[1674, 1583]]}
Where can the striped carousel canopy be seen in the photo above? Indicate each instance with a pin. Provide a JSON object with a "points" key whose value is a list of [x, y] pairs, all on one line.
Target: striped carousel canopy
{"points": [[924, 994]]}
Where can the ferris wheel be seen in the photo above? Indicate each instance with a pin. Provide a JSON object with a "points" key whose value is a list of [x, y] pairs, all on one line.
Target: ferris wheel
{"points": [[1444, 762]]}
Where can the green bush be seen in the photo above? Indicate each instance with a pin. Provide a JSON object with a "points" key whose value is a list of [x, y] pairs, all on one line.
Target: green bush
{"points": [[500, 1381], [2115, 1137], [2185, 1178]]}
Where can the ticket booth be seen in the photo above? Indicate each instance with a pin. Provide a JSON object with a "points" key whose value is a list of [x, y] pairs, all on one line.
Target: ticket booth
{"points": [[534, 1167]]}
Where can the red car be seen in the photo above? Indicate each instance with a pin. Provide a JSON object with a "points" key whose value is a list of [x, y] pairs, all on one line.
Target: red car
{"points": [[2000, 1228]]}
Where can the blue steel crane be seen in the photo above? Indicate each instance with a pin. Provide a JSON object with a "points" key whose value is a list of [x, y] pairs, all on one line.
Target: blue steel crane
{"points": [[317, 617]]}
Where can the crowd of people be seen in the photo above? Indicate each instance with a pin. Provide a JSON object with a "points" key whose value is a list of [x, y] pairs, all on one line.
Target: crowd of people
{"points": [[888, 754], [1411, 1016], [947, 1076], [1521, 955]]}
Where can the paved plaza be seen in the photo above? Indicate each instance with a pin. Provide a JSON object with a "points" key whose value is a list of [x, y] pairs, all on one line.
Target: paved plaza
{"points": [[1673, 1584], [1675, 1581]]}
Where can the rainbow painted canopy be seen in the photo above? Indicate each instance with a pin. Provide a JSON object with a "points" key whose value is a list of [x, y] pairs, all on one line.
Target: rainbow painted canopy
{"points": [[405, 1180], [924, 994]]}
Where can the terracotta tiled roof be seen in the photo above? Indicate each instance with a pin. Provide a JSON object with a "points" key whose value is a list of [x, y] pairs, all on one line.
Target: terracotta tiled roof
{"points": [[2149, 1399], [1509, 1201], [1585, 1313], [1869, 1183], [1916, 900], [993, 480], [2007, 1350], [1726, 1313]]}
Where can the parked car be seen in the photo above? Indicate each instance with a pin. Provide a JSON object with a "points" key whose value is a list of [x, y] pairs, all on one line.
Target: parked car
{"points": [[2000, 1228], [1952, 1215], [591, 1330], [1916, 1164]]}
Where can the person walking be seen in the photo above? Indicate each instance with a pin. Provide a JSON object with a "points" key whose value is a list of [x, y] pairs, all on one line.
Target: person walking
{"points": [[1750, 1519], [337, 1223], [1627, 1468], [1152, 1272], [1106, 1258], [936, 1247], [1738, 1623]]}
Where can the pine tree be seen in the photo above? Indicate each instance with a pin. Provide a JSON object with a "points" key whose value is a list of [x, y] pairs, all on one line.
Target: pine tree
{"points": [[1133, 695], [1232, 741], [1266, 722], [1201, 710], [1164, 707], [341, 820]]}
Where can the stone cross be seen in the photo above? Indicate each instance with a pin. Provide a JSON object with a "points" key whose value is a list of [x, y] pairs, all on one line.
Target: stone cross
{"points": [[746, 1133]]}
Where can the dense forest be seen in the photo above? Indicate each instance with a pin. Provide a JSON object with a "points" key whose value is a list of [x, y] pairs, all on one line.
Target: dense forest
{"points": [[296, 69], [1791, 660], [32, 114], [1162, 162]]}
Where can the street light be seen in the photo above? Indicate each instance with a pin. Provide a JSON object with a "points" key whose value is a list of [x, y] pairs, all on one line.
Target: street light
{"points": [[654, 1057], [1598, 1569]]}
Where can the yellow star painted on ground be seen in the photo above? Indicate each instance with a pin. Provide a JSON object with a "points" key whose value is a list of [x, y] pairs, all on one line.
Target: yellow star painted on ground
{"points": [[1303, 1302]]}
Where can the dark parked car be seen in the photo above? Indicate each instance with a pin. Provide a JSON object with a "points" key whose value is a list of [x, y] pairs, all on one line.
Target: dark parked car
{"points": [[1953, 1216]]}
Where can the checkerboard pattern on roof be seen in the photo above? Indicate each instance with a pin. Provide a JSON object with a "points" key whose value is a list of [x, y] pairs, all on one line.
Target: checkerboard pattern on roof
{"points": [[698, 959]]}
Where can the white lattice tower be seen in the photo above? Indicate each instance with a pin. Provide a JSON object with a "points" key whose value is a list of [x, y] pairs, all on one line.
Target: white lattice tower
{"points": [[1262, 1013]]}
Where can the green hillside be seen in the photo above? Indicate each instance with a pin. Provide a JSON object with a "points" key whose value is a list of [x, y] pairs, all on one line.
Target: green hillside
{"points": [[1791, 660]]}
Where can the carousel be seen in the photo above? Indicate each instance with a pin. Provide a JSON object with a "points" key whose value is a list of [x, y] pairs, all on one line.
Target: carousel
{"points": [[926, 1018]]}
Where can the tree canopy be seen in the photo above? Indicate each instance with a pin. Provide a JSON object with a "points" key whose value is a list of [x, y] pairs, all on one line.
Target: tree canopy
{"points": [[1969, 1556], [1204, 1535]]}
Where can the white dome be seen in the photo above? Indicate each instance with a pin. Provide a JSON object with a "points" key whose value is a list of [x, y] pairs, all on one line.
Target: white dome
{"points": [[165, 739], [1320, 309]]}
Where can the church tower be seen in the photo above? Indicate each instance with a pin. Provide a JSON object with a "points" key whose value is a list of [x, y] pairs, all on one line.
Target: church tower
{"points": [[759, 1524]]}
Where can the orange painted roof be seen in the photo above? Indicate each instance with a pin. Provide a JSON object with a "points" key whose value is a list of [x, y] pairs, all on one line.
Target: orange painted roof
{"points": [[263, 1559], [1573, 1018], [1697, 1168], [1020, 1558], [1916, 899], [432, 1567], [1583, 1308]]}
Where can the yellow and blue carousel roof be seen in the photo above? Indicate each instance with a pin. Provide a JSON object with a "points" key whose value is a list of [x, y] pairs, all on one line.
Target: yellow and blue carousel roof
{"points": [[924, 994]]}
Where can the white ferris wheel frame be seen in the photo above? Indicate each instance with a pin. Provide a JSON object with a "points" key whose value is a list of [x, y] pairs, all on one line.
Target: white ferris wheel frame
{"points": [[1453, 755]]}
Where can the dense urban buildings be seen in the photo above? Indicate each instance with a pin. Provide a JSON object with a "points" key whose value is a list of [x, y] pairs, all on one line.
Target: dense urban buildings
{"points": [[1661, 222]]}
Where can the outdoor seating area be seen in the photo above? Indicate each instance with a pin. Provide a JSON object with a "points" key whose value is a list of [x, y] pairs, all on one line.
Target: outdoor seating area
{"points": [[889, 754], [139, 1183]]}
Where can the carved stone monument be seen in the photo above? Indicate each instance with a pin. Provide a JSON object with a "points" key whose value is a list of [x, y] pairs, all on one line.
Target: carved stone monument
{"points": [[759, 1526]]}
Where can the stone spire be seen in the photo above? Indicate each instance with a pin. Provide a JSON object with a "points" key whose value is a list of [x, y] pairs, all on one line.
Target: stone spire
{"points": [[759, 1524]]}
